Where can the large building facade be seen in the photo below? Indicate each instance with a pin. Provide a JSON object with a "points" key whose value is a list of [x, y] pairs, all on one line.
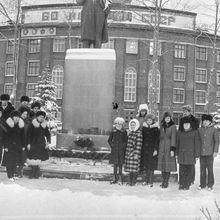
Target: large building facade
{"points": [[185, 55]]}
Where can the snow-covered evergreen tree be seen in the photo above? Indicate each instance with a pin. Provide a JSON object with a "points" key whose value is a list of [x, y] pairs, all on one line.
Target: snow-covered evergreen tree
{"points": [[46, 95], [216, 119]]}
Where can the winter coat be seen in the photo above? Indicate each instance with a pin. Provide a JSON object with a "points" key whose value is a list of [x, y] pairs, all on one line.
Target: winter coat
{"points": [[194, 122], [3, 131], [133, 151], [38, 134], [166, 163], [7, 111], [209, 140], [14, 142], [141, 120], [188, 146], [94, 20], [151, 138], [117, 141]]}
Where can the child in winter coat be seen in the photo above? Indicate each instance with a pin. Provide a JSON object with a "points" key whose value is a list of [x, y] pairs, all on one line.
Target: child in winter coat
{"points": [[117, 141], [13, 143], [188, 145], [209, 149], [167, 147], [38, 140], [151, 138], [133, 151]]}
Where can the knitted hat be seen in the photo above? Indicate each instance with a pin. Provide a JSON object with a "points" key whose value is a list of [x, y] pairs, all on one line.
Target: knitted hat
{"points": [[186, 120], [151, 116], [206, 117], [167, 114], [15, 113], [119, 121], [143, 107], [23, 109], [24, 98], [41, 113], [35, 104], [5, 97], [187, 108]]}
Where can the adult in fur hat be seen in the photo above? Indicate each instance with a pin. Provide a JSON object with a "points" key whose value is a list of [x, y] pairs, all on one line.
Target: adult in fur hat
{"points": [[188, 146], [24, 100], [117, 141], [35, 107], [133, 151], [6, 105], [167, 148], [13, 144], [209, 149], [38, 140], [94, 22], [149, 151], [187, 112]]}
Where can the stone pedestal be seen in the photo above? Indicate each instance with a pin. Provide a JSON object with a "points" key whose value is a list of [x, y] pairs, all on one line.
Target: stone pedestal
{"points": [[88, 91]]}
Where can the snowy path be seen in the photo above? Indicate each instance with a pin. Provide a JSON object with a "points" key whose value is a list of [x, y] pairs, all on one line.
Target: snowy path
{"points": [[75, 199]]}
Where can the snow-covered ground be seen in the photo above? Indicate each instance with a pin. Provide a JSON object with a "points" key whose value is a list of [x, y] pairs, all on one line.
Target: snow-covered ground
{"points": [[81, 199]]}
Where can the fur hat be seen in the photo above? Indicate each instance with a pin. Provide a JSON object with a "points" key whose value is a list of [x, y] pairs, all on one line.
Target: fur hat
{"points": [[5, 97], [137, 124], [119, 121], [23, 109], [41, 113], [15, 113], [167, 114], [24, 98], [186, 120], [35, 104], [143, 107], [206, 117], [187, 108], [151, 116]]}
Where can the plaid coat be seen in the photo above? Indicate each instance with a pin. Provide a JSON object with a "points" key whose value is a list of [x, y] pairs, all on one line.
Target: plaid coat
{"points": [[133, 151]]}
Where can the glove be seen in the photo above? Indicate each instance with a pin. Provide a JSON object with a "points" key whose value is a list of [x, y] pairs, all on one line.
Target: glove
{"points": [[28, 146], [6, 150], [171, 153]]}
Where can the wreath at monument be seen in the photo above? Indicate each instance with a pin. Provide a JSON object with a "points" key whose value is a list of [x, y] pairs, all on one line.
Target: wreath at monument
{"points": [[84, 142]]}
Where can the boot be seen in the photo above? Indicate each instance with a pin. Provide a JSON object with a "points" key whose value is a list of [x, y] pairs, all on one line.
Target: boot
{"points": [[163, 179], [31, 176], [120, 182], [134, 179], [130, 179], [114, 179], [146, 182], [151, 178], [37, 172], [166, 182]]}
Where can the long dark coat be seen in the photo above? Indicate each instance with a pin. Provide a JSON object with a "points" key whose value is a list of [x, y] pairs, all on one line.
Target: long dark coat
{"points": [[14, 142], [166, 163], [7, 111], [133, 150], [117, 141], [38, 133], [93, 20], [3, 131], [188, 146], [151, 138]]}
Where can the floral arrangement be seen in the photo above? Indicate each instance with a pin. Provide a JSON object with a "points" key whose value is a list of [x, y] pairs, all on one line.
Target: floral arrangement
{"points": [[84, 142]]}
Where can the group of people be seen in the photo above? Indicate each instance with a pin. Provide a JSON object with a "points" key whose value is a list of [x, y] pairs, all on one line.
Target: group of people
{"points": [[148, 146], [24, 137]]}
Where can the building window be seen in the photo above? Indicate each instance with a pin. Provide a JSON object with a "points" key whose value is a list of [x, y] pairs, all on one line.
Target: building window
{"points": [[130, 85], [57, 78], [179, 73], [10, 47], [33, 67], [9, 68], [218, 97], [128, 115], [180, 51], [218, 56], [199, 116], [200, 97], [177, 116], [59, 45], [151, 49], [30, 89], [201, 75], [201, 53], [132, 46], [8, 88], [218, 78], [109, 45], [178, 95], [34, 45]]}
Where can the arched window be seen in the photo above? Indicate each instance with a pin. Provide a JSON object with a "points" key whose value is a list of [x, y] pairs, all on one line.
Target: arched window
{"points": [[57, 78], [130, 85]]}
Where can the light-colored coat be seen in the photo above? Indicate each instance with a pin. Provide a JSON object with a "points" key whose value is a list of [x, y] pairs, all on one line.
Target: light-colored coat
{"points": [[166, 163], [209, 140]]}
